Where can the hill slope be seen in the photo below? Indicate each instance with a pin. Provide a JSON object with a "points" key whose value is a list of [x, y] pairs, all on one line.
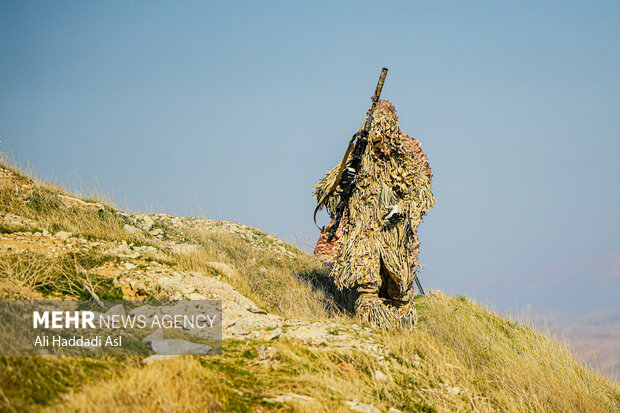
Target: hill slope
{"points": [[290, 341]]}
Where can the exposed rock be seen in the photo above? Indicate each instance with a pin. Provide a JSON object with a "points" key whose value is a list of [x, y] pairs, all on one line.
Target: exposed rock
{"points": [[63, 234], [256, 310], [157, 334], [196, 296], [6, 218], [71, 202], [116, 310], [175, 346], [241, 317], [120, 249], [132, 230], [292, 397], [156, 232], [270, 335], [144, 222], [314, 333], [266, 353], [185, 249]]}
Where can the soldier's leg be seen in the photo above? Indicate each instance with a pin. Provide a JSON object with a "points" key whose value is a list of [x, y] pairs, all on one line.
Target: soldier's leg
{"points": [[406, 309], [381, 312], [399, 296], [374, 310], [402, 302]]}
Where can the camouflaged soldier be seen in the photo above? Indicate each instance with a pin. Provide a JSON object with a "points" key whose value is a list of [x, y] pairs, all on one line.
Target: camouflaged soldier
{"points": [[375, 248]]}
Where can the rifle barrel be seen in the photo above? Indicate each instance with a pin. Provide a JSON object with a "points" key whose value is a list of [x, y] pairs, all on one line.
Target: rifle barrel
{"points": [[375, 98], [382, 76]]}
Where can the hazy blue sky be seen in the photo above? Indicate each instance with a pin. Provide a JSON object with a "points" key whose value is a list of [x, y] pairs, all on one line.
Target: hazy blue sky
{"points": [[237, 109]]}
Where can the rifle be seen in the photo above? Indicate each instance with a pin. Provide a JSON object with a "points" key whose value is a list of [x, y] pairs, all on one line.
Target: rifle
{"points": [[348, 170], [417, 282]]}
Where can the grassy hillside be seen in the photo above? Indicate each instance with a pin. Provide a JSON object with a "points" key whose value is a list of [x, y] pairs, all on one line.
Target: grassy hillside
{"points": [[460, 356]]}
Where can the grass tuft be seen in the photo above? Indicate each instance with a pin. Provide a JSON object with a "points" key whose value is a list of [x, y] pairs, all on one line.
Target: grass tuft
{"points": [[63, 276]]}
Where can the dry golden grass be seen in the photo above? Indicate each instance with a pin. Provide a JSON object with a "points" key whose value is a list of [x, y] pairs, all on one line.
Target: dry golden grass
{"points": [[28, 270], [460, 358], [189, 388], [30, 274], [496, 364]]}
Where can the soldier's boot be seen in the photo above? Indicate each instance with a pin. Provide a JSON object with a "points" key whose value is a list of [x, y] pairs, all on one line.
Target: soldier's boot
{"points": [[407, 315], [373, 310], [403, 302]]}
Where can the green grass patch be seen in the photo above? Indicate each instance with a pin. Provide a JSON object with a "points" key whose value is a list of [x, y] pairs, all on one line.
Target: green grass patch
{"points": [[30, 382]]}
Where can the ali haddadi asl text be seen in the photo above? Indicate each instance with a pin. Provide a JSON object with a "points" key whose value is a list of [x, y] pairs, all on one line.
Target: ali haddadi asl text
{"points": [[78, 341]]}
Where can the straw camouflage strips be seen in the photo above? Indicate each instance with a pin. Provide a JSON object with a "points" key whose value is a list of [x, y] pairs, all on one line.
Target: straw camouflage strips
{"points": [[375, 248]]}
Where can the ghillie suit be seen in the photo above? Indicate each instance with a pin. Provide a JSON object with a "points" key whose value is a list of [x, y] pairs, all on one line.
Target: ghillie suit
{"points": [[376, 246]]}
